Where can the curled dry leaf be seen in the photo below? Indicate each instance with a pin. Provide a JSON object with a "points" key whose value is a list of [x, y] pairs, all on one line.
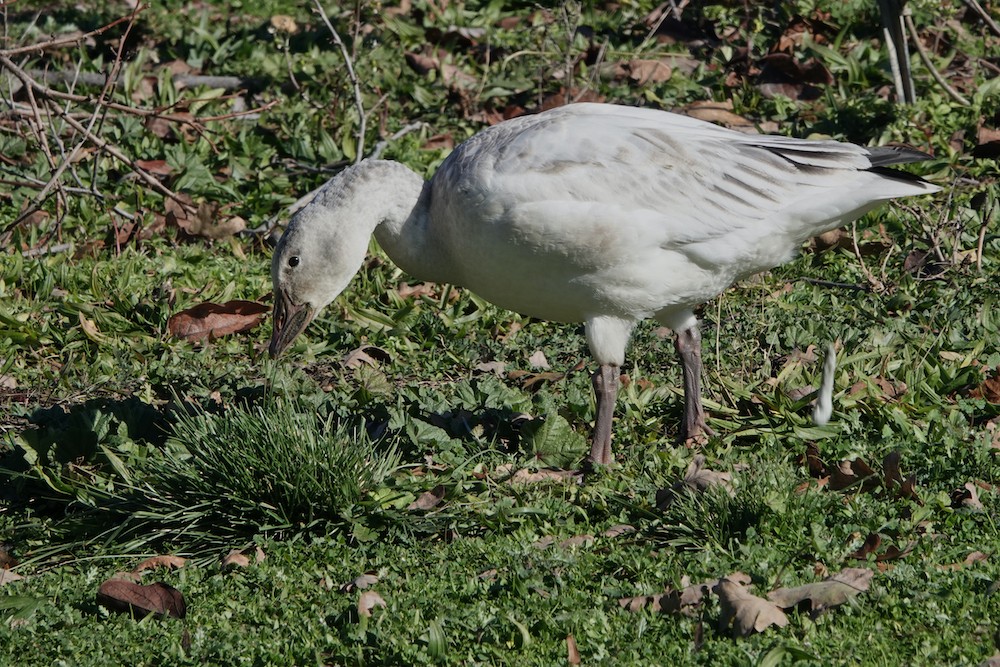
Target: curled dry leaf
{"points": [[894, 481], [168, 562], [6, 577], [428, 499], [129, 598], [498, 368], [572, 654], [366, 355], [538, 360], [831, 592], [360, 582], [685, 601], [967, 497], [368, 601], [235, 558], [212, 320], [848, 473], [700, 478], [747, 613]]}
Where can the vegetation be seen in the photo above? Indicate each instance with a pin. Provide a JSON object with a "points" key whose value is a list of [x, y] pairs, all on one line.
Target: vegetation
{"points": [[402, 469]]}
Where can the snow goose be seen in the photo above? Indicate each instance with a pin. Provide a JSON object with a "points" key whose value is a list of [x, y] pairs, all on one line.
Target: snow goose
{"points": [[591, 213]]}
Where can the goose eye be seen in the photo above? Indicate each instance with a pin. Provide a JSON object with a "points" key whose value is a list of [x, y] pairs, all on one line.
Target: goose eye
{"points": [[293, 260]]}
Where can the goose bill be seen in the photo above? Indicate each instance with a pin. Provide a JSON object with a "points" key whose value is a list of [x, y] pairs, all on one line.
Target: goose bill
{"points": [[289, 321]]}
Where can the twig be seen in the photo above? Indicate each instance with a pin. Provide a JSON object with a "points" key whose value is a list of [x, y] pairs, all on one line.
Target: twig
{"points": [[68, 41], [926, 58], [382, 145], [358, 102], [830, 283], [875, 283], [983, 14], [179, 80], [899, 54]]}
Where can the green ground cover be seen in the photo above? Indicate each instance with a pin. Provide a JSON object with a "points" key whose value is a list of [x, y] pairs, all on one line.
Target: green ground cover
{"points": [[390, 441]]}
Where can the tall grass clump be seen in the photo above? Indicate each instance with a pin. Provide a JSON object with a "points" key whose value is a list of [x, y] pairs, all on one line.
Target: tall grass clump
{"points": [[277, 468]]}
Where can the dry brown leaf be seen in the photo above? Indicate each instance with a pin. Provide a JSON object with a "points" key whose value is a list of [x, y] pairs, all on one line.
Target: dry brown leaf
{"points": [[967, 497], [360, 582], [618, 530], [158, 167], [284, 24], [127, 597], [496, 367], [7, 561], [577, 541], [717, 114], [366, 355], [428, 499], [989, 389], [6, 577], [235, 558], [700, 478], [90, 329], [870, 546], [683, 601], [368, 601], [894, 481], [168, 562], [747, 613], [848, 473], [831, 592], [572, 654], [212, 320], [647, 71], [991, 662], [538, 360]]}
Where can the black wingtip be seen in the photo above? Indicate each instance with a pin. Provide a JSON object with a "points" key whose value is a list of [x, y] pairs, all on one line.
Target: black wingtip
{"points": [[881, 156]]}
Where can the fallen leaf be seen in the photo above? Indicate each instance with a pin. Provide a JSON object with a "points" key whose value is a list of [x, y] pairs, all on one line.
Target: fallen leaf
{"points": [[831, 592], [168, 562], [158, 167], [365, 355], [6, 560], [618, 530], [428, 499], [360, 582], [647, 71], [138, 600], [538, 360], [700, 478], [6, 577], [284, 24], [368, 601], [745, 612], [495, 367], [967, 497], [572, 654], [204, 219], [90, 329], [577, 541], [848, 473], [870, 546], [235, 558], [211, 320], [685, 601], [973, 558], [993, 661], [894, 481]]}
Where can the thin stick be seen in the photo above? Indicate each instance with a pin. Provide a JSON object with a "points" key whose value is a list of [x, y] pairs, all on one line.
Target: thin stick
{"points": [[926, 58], [358, 102], [983, 14], [68, 41]]}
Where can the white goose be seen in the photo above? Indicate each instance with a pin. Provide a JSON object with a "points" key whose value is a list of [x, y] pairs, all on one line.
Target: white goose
{"points": [[590, 213]]}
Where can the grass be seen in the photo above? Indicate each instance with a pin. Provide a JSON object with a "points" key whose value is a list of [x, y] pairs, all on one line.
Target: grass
{"points": [[120, 442]]}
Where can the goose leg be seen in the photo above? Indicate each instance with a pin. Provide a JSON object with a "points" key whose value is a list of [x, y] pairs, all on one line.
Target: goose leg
{"points": [[605, 382], [688, 345]]}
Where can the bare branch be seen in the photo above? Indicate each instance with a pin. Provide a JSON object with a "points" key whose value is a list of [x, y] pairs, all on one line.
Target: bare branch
{"points": [[358, 102]]}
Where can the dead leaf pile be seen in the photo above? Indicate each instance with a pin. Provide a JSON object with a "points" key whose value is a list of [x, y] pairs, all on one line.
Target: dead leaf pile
{"points": [[857, 475], [747, 613]]}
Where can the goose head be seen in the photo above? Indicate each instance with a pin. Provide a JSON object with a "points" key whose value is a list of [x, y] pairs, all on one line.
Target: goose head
{"points": [[326, 241]]}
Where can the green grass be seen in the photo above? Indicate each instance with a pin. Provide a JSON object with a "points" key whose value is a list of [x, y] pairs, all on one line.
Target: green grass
{"points": [[119, 442]]}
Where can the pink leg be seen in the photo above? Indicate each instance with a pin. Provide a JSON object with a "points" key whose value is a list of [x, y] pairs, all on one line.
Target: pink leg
{"points": [[688, 345], [605, 383]]}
